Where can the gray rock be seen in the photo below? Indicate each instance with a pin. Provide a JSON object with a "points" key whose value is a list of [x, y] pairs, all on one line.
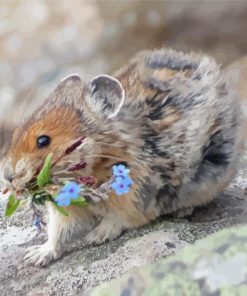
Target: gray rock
{"points": [[216, 265]]}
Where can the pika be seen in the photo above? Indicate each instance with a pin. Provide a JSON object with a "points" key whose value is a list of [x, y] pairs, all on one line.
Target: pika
{"points": [[170, 116]]}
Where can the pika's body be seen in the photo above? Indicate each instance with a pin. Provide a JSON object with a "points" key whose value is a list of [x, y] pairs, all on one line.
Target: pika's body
{"points": [[170, 116]]}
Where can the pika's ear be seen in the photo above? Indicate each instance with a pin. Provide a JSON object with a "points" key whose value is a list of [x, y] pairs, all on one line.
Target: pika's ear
{"points": [[105, 95], [69, 83], [71, 80], [69, 89]]}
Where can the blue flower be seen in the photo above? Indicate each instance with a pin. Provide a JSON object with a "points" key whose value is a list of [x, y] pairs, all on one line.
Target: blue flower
{"points": [[62, 200], [37, 222], [121, 184], [70, 191], [120, 170]]}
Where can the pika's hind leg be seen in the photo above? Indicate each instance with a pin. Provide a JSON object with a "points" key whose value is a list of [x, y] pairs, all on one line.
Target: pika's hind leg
{"points": [[183, 213], [212, 172], [108, 229], [61, 229], [216, 170]]}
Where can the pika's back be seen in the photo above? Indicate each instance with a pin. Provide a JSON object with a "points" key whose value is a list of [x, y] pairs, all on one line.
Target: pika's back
{"points": [[166, 70], [191, 115]]}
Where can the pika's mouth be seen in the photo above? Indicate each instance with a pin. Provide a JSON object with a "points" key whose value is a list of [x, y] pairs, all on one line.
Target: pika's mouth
{"points": [[62, 169]]}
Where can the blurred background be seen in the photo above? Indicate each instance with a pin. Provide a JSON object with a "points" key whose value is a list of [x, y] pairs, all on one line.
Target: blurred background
{"points": [[41, 41]]}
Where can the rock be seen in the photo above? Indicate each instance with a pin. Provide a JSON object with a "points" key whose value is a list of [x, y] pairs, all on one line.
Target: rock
{"points": [[216, 265]]}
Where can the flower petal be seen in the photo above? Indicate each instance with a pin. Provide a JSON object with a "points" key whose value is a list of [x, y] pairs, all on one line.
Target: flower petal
{"points": [[120, 170]]}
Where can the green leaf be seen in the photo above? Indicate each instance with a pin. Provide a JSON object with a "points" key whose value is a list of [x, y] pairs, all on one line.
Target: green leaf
{"points": [[44, 176], [80, 201], [61, 210], [12, 205]]}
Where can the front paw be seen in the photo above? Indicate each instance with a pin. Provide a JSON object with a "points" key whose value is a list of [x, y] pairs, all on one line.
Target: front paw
{"points": [[41, 255]]}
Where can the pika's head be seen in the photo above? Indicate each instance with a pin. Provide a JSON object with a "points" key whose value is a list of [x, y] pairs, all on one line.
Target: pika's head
{"points": [[75, 111]]}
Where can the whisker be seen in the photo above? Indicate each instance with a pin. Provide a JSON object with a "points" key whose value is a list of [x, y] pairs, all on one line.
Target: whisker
{"points": [[133, 167], [65, 171], [111, 145], [103, 156]]}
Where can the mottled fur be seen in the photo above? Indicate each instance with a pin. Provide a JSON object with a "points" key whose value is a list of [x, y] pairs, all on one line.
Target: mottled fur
{"points": [[179, 130]]}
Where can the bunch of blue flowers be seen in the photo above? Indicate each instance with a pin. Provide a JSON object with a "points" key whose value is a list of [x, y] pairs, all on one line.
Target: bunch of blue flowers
{"points": [[78, 192], [120, 183]]}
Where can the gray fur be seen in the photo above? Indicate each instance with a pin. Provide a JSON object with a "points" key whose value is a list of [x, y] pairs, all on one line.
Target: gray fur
{"points": [[186, 155], [170, 59]]}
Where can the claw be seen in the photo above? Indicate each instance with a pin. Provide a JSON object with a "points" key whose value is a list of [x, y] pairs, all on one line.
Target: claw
{"points": [[40, 255]]}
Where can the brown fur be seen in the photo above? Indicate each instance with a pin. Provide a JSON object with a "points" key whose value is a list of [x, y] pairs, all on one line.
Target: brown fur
{"points": [[63, 130]]}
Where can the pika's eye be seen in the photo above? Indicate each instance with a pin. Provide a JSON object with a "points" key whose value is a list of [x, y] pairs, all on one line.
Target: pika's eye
{"points": [[43, 141]]}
